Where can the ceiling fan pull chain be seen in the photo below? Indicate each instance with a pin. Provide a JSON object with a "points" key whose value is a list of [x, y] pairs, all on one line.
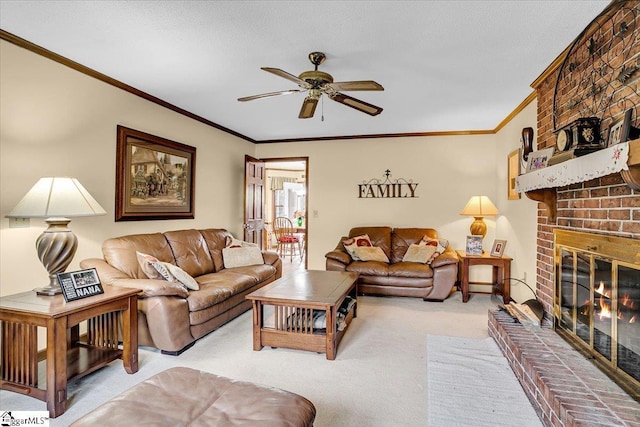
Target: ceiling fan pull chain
{"points": [[322, 107]]}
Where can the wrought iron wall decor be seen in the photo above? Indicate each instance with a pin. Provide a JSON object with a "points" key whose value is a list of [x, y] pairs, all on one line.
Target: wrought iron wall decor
{"points": [[386, 188], [598, 77]]}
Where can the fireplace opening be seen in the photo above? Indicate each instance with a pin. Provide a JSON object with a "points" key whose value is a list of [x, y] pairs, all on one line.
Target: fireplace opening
{"points": [[597, 301]]}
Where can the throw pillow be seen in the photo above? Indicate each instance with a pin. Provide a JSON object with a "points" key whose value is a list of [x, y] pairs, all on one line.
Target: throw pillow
{"points": [[419, 253], [241, 256], [146, 263], [354, 242], [439, 244], [182, 276], [371, 253], [232, 242]]}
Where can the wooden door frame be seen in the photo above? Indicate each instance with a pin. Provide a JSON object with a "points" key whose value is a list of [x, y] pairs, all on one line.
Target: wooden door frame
{"points": [[304, 159]]}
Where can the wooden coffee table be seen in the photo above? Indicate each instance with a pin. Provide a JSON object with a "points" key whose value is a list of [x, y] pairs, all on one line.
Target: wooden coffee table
{"points": [[294, 299]]}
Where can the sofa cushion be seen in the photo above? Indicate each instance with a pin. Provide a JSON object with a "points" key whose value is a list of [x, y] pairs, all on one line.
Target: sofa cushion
{"points": [[379, 236], [371, 253], [369, 268], [439, 244], [181, 276], [216, 241], [241, 256], [190, 251], [148, 264], [402, 238], [419, 253], [410, 270], [352, 243], [212, 291], [120, 252]]}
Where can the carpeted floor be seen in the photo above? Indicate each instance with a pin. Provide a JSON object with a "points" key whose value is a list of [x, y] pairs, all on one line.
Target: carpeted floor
{"points": [[379, 377], [470, 383]]}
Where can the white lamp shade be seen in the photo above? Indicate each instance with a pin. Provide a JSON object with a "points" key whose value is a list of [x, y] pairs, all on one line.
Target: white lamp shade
{"points": [[57, 197], [480, 206]]}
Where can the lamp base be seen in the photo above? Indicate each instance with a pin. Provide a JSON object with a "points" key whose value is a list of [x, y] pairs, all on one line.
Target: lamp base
{"points": [[478, 227], [48, 291], [56, 247]]}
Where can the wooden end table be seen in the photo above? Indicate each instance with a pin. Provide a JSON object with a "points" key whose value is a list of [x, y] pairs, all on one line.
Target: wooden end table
{"points": [[501, 267], [67, 358], [295, 298]]}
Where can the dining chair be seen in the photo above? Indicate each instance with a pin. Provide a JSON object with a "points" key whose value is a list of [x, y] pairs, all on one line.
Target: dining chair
{"points": [[286, 238]]}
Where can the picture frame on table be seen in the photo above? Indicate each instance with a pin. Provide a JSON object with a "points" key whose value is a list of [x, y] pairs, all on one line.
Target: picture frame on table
{"points": [[155, 177], [539, 159], [619, 131], [79, 284], [474, 245], [513, 170], [497, 249]]}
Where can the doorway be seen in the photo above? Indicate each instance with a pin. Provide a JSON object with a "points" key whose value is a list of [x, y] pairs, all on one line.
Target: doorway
{"points": [[286, 195]]}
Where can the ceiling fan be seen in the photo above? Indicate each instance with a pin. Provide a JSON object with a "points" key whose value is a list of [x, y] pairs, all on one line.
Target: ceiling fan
{"points": [[318, 82]]}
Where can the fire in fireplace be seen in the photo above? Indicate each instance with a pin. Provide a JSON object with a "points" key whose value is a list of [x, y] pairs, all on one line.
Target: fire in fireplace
{"points": [[597, 301]]}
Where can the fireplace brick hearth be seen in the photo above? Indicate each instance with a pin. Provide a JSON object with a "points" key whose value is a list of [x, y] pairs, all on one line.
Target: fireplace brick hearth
{"points": [[564, 387]]}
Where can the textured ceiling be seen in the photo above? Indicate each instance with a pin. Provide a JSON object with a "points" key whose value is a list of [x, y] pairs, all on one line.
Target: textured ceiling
{"points": [[445, 65]]}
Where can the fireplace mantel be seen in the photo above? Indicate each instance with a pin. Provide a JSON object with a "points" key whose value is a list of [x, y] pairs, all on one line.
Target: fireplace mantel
{"points": [[540, 185]]}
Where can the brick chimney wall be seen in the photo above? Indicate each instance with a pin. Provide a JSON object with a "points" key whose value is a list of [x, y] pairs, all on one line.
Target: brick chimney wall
{"points": [[605, 205]]}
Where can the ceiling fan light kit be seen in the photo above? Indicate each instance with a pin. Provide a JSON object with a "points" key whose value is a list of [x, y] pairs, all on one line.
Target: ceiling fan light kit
{"points": [[316, 83]]}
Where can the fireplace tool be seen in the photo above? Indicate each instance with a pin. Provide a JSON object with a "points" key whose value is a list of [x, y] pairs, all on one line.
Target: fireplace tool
{"points": [[533, 303]]}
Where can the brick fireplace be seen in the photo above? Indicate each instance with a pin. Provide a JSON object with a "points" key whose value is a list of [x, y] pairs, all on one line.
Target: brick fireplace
{"points": [[597, 76]]}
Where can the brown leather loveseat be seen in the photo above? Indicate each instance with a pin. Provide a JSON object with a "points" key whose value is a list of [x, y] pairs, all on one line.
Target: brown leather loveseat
{"points": [[432, 282], [171, 317]]}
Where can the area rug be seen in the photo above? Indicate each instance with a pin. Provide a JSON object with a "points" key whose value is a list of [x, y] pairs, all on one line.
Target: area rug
{"points": [[470, 383]]}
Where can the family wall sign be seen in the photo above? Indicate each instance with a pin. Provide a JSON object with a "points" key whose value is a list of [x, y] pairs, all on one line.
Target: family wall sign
{"points": [[386, 188]]}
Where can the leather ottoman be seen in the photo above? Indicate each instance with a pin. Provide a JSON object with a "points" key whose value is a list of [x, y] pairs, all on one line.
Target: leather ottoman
{"points": [[185, 396]]}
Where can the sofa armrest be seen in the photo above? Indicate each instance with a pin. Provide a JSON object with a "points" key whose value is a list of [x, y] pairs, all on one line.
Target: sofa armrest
{"points": [[449, 256], [109, 275], [270, 257], [339, 256]]}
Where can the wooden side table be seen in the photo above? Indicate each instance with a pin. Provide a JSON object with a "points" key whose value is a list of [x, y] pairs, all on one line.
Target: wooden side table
{"points": [[501, 273], [67, 358]]}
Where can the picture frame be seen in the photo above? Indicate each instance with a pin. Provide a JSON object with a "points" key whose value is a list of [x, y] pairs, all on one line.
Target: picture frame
{"points": [[539, 159], [513, 170], [619, 131], [79, 284], [497, 249], [474, 245], [155, 177]]}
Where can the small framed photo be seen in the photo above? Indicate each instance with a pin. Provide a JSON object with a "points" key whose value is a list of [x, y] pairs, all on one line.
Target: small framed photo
{"points": [[474, 245], [79, 284], [619, 131], [498, 247], [539, 159]]}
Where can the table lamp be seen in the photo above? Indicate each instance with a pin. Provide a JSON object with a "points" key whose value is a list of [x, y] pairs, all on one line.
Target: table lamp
{"points": [[56, 199], [479, 207]]}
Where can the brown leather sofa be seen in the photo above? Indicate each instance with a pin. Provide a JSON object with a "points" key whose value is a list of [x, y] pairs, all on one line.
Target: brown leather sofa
{"points": [[398, 278], [170, 317]]}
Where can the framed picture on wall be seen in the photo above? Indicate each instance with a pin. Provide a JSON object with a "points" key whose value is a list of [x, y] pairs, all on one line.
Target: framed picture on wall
{"points": [[513, 170], [154, 177]]}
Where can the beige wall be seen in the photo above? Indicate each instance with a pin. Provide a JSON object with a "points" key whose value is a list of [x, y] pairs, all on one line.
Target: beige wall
{"points": [[56, 121]]}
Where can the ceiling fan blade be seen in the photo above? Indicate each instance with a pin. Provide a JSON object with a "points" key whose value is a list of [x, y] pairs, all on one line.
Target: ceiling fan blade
{"points": [[308, 108], [359, 105], [264, 95], [356, 85], [282, 73]]}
